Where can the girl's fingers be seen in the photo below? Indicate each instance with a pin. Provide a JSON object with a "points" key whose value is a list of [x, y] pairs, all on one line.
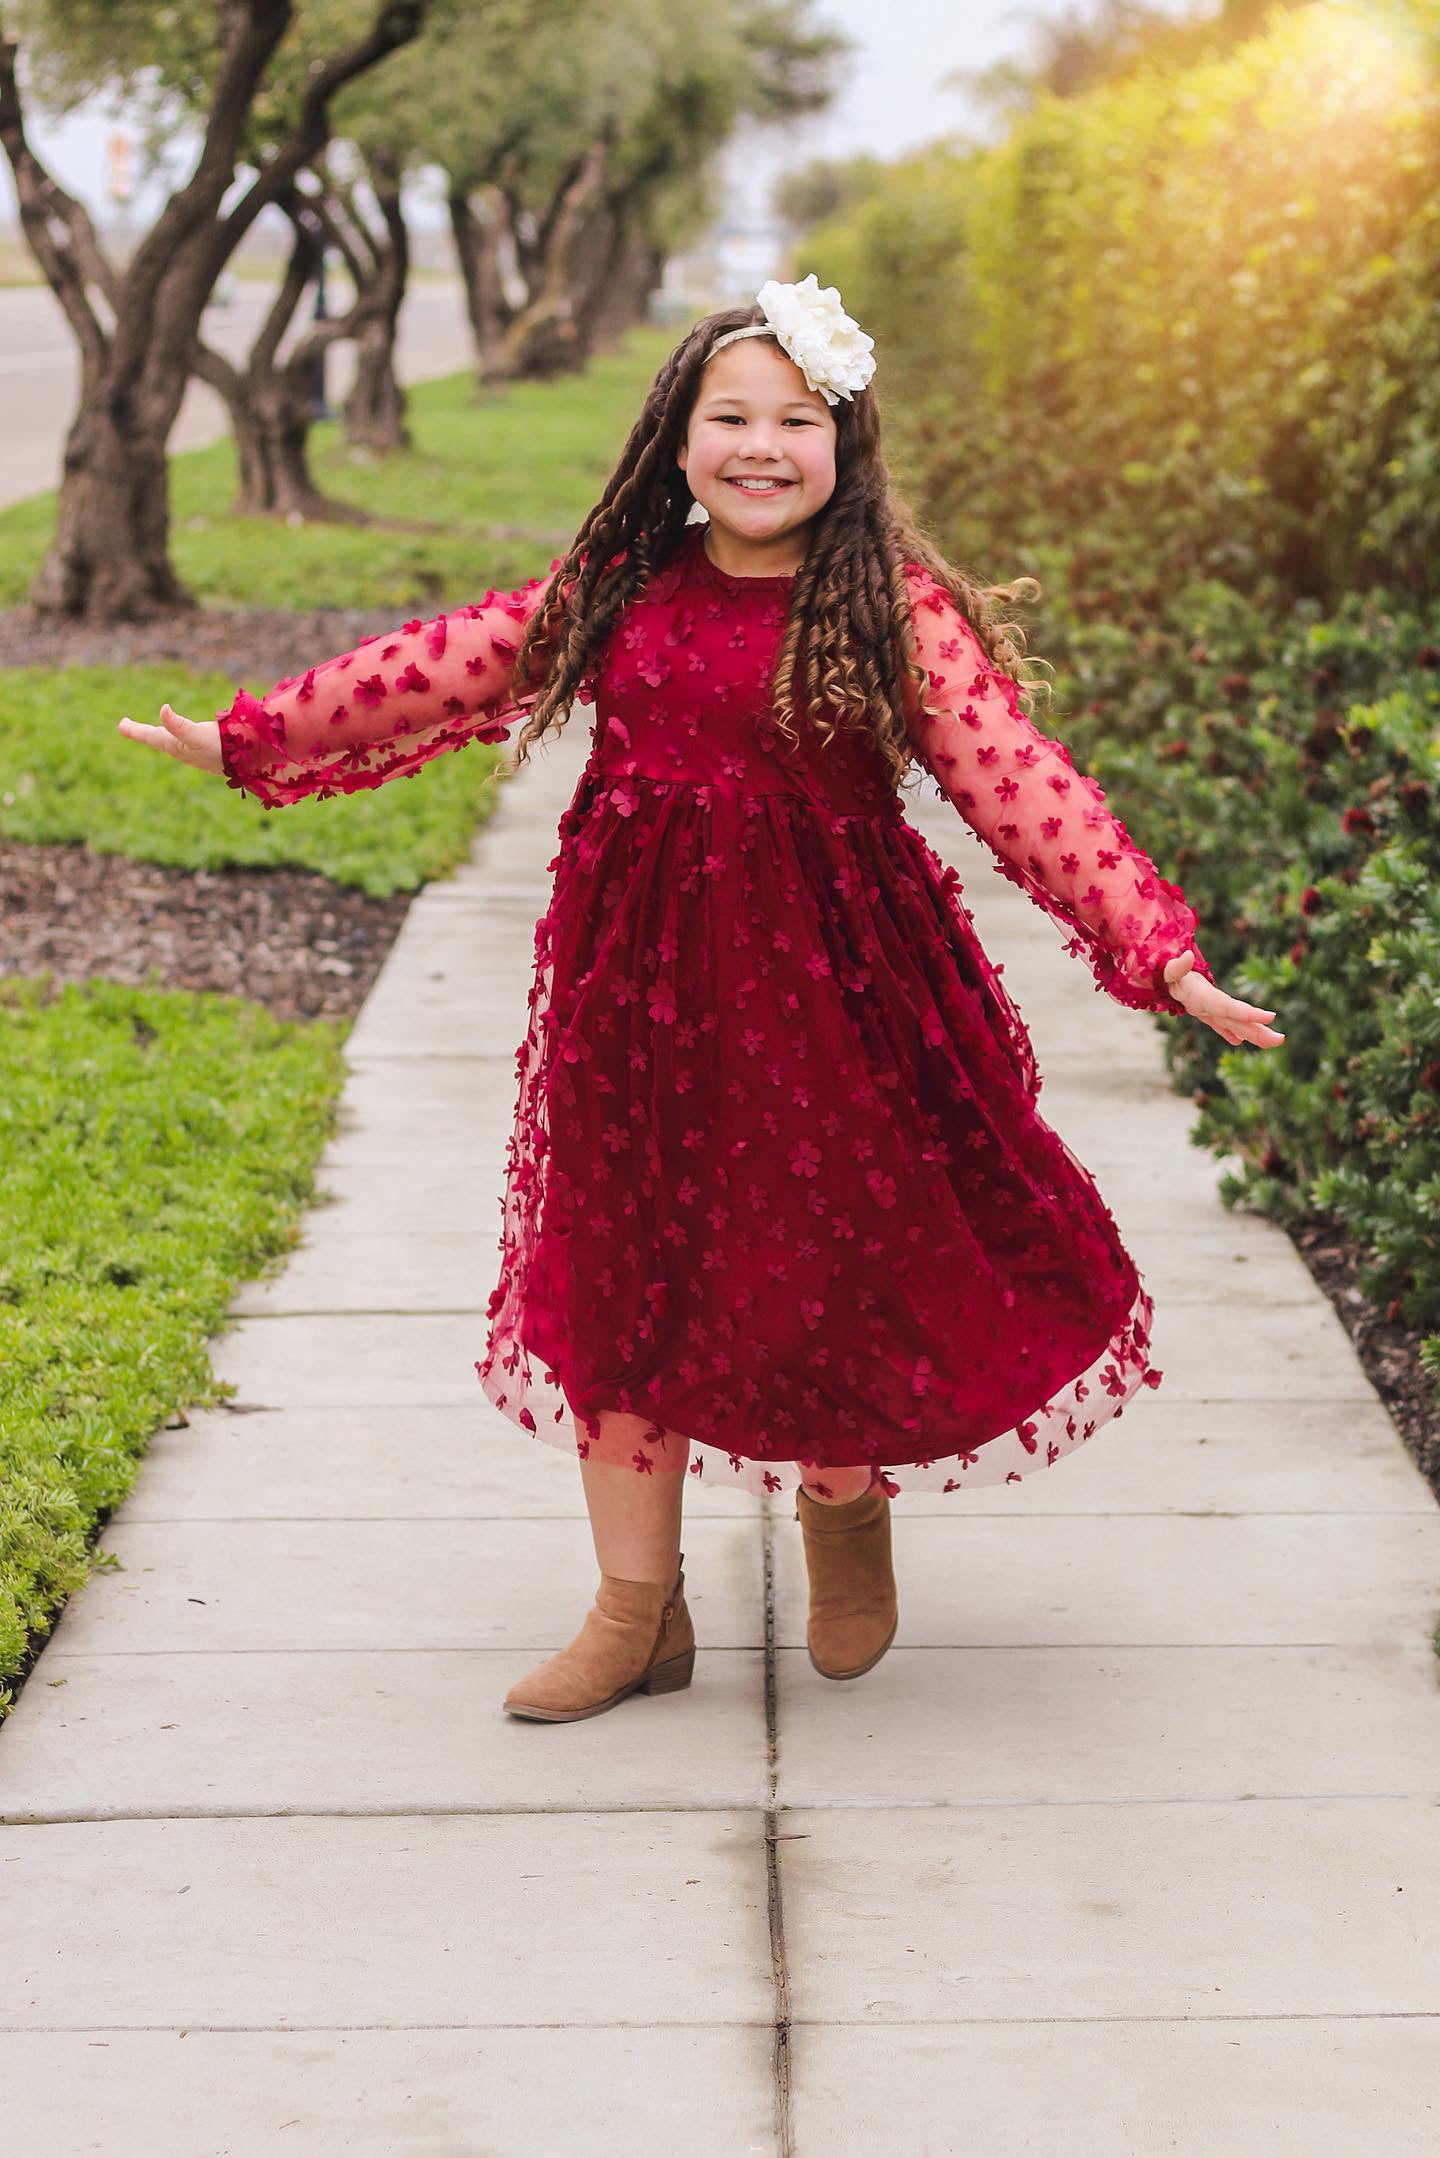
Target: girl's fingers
{"points": [[134, 730], [193, 742]]}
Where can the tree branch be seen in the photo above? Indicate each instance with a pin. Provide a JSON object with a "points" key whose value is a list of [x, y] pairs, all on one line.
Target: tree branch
{"points": [[396, 23], [344, 193], [335, 231], [299, 270], [43, 204], [253, 30]]}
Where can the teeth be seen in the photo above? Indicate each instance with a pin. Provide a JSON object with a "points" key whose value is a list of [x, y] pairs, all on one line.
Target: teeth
{"points": [[759, 487]]}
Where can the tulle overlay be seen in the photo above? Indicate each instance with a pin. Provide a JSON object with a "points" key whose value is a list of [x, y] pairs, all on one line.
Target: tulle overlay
{"points": [[777, 1192], [777, 1189]]}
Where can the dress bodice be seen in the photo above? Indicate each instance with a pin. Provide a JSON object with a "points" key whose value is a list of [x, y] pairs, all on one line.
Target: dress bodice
{"points": [[682, 693]]}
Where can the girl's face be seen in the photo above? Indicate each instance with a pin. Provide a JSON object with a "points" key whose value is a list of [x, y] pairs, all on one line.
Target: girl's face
{"points": [[753, 419]]}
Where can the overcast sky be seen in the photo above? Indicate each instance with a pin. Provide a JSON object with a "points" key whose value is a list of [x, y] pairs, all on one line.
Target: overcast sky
{"points": [[891, 100]]}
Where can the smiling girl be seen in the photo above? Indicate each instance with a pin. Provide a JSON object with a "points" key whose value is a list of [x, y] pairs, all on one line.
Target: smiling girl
{"points": [[780, 1209]]}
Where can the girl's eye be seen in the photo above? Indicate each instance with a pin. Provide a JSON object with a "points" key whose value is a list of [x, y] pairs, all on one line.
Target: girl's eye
{"points": [[724, 417]]}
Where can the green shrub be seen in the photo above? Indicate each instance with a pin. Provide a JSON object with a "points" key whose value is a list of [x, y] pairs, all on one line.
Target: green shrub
{"points": [[1287, 773], [1192, 314]]}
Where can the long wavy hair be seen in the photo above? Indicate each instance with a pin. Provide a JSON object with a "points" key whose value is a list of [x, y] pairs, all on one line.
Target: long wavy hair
{"points": [[848, 642]]}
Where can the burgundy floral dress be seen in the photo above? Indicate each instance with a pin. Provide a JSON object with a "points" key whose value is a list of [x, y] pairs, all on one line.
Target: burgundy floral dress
{"points": [[778, 1193]]}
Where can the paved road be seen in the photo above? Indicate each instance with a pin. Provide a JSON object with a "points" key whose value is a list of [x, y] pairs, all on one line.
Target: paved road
{"points": [[1127, 1847], [39, 373]]}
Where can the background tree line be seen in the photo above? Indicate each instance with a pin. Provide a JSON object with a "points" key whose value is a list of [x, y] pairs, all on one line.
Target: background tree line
{"points": [[577, 143]]}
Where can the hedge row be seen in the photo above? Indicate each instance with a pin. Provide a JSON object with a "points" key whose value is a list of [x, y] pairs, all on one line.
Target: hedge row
{"points": [[1196, 313]]}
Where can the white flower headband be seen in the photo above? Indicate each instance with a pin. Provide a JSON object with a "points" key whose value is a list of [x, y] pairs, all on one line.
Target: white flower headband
{"points": [[831, 351]]}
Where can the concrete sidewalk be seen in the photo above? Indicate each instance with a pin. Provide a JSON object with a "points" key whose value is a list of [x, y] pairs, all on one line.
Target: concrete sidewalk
{"points": [[1128, 1847]]}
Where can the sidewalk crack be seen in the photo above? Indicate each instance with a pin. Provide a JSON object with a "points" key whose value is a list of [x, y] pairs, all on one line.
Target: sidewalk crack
{"points": [[780, 2055]]}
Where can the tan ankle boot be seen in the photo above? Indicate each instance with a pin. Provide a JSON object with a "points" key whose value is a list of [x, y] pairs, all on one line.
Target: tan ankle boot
{"points": [[635, 1639], [854, 1609]]}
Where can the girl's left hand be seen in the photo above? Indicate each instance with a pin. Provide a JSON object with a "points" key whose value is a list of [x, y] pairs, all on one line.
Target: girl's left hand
{"points": [[1229, 1016], [192, 741]]}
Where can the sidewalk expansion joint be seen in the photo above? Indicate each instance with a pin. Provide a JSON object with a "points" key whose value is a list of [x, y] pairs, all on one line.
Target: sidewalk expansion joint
{"points": [[780, 2055]]}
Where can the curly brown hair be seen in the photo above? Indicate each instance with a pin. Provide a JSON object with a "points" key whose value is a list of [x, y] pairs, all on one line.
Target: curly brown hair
{"points": [[848, 636]]}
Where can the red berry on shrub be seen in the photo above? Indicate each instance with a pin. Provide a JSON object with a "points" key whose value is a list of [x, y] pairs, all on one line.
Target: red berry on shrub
{"points": [[1272, 1161], [1297, 953], [1415, 793], [1428, 656], [1357, 820], [1337, 1090], [1430, 1079], [1393, 1311], [1310, 900]]}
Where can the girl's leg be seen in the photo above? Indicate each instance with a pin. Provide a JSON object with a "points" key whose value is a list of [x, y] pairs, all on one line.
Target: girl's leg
{"points": [[840, 1483], [638, 1632], [634, 1517]]}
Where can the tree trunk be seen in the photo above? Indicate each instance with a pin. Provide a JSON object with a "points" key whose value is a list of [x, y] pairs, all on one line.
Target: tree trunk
{"points": [[375, 408], [478, 236], [544, 339], [110, 557], [270, 403], [272, 429], [623, 270]]}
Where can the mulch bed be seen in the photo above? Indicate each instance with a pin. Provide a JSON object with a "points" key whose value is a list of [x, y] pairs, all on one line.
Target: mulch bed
{"points": [[1389, 1353], [253, 645], [289, 938]]}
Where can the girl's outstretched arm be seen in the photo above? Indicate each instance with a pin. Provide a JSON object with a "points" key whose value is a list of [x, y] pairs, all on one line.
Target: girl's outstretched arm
{"points": [[386, 708], [375, 713], [1048, 824]]}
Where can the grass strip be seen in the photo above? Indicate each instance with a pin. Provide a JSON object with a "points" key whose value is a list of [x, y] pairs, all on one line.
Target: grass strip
{"points": [[157, 1149], [69, 776]]}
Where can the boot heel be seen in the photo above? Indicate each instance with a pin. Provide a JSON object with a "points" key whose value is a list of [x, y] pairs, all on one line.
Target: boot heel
{"points": [[669, 1677]]}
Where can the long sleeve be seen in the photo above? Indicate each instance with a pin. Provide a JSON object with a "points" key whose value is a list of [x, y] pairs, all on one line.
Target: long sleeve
{"points": [[386, 708], [1048, 824]]}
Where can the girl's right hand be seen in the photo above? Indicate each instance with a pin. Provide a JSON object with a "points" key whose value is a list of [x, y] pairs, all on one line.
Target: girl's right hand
{"points": [[193, 741], [1231, 1017]]}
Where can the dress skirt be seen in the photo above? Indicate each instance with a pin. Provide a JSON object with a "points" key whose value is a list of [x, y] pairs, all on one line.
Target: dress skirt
{"points": [[777, 1192]]}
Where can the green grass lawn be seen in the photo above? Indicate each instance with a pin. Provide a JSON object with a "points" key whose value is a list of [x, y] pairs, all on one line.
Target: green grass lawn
{"points": [[68, 775], [497, 483], [157, 1148]]}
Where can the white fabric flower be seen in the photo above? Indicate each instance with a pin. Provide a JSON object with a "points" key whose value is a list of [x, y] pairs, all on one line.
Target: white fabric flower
{"points": [[831, 351]]}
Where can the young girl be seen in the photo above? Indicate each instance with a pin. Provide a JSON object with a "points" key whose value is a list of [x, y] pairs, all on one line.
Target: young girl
{"points": [[780, 1209]]}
